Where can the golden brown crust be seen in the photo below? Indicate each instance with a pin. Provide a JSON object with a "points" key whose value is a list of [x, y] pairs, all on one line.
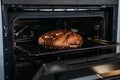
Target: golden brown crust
{"points": [[60, 39]]}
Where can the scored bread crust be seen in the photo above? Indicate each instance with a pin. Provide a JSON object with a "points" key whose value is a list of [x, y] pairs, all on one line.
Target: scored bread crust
{"points": [[60, 39]]}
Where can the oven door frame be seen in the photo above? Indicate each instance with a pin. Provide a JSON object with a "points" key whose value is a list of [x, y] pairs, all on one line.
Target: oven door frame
{"points": [[6, 52], [118, 29], [1, 47]]}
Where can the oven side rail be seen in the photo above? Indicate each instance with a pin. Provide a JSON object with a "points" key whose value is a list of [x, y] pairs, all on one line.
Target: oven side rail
{"points": [[118, 28], [1, 47]]}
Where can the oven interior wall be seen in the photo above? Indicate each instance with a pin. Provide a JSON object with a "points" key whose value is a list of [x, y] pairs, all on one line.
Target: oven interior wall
{"points": [[33, 28]]}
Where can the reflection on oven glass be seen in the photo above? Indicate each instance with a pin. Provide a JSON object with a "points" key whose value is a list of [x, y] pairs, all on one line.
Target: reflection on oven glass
{"points": [[104, 68], [107, 70], [109, 74], [91, 77]]}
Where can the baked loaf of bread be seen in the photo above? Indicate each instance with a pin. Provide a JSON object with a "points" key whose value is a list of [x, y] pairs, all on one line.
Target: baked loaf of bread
{"points": [[60, 39]]}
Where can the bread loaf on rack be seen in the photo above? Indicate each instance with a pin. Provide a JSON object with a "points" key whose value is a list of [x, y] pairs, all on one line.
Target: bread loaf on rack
{"points": [[60, 39]]}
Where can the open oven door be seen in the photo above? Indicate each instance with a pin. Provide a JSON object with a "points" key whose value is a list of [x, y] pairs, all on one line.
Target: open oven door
{"points": [[105, 67]]}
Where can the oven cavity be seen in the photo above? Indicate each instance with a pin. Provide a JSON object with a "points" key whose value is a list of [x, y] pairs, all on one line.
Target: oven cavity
{"points": [[92, 29]]}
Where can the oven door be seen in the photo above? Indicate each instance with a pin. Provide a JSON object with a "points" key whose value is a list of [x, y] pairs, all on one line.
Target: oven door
{"points": [[105, 67]]}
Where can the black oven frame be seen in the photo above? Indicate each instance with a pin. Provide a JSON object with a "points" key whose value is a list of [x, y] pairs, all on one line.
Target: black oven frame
{"points": [[7, 30]]}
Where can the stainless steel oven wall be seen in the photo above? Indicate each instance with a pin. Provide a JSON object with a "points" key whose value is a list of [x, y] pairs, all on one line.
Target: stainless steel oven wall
{"points": [[1, 48], [118, 29]]}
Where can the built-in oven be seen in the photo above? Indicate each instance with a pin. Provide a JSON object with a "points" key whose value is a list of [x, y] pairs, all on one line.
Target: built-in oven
{"points": [[24, 22]]}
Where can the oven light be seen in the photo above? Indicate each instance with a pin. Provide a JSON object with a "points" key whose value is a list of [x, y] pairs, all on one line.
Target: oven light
{"points": [[71, 9], [30, 9], [59, 9], [83, 9], [45, 9], [86, 9]]}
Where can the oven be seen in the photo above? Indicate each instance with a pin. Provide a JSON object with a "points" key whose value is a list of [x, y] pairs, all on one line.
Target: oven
{"points": [[25, 21]]}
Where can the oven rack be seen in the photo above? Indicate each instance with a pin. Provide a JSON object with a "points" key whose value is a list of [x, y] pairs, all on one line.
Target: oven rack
{"points": [[79, 50], [34, 50]]}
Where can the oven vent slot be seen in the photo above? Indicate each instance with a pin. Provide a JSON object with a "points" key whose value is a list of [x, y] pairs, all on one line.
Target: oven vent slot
{"points": [[57, 10]]}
